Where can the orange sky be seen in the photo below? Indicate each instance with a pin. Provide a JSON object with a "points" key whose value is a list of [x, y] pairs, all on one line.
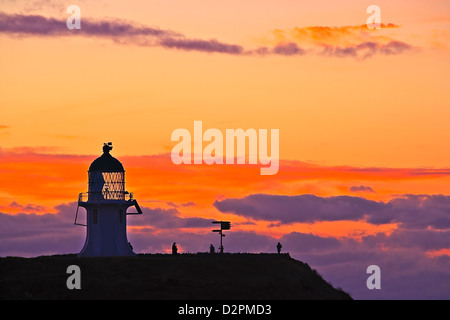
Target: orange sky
{"points": [[380, 122]]}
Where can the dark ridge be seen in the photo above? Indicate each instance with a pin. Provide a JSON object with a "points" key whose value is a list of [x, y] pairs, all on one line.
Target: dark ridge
{"points": [[200, 276]]}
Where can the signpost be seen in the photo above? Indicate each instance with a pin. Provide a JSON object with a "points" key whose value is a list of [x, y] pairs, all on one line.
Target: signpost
{"points": [[224, 225]]}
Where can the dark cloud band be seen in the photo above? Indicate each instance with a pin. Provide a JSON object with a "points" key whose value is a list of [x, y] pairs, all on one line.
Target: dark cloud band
{"points": [[411, 211]]}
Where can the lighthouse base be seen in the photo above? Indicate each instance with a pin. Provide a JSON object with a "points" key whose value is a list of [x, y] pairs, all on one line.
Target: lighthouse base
{"points": [[106, 234]]}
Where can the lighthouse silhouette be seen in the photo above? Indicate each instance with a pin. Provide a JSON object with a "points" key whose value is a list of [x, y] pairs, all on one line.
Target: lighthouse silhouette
{"points": [[106, 204]]}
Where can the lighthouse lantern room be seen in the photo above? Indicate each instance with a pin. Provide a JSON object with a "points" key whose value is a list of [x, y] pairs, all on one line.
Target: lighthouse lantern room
{"points": [[106, 204]]}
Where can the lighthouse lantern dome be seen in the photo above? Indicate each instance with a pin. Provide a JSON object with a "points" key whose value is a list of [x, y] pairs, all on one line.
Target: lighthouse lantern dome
{"points": [[106, 177]]}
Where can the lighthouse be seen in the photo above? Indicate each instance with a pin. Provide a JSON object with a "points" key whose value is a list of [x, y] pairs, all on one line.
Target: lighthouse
{"points": [[106, 204]]}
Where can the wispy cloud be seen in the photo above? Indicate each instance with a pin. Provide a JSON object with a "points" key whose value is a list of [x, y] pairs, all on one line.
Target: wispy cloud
{"points": [[201, 45], [331, 35], [367, 49], [361, 189], [15, 207], [130, 33], [38, 25], [342, 41]]}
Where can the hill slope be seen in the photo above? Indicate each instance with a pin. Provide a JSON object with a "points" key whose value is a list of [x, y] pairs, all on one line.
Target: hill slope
{"points": [[160, 276]]}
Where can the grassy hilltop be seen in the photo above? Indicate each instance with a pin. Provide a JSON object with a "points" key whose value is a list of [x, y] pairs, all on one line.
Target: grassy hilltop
{"points": [[162, 276]]}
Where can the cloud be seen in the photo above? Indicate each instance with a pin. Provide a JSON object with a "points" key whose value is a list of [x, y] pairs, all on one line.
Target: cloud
{"points": [[131, 33], [410, 211], [345, 41], [361, 189], [288, 49], [309, 243], [415, 211], [31, 234], [121, 31], [424, 239], [367, 49], [38, 25], [4, 129], [201, 45], [188, 204], [302, 208], [167, 219], [331, 35], [19, 208]]}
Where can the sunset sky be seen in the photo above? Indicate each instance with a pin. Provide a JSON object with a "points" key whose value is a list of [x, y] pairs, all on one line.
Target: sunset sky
{"points": [[363, 117]]}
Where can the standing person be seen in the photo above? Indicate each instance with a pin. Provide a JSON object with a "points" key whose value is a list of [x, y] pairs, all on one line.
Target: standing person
{"points": [[174, 248], [212, 249], [279, 246]]}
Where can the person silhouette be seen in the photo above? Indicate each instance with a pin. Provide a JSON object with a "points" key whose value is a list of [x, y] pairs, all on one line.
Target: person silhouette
{"points": [[279, 246], [211, 249], [174, 248]]}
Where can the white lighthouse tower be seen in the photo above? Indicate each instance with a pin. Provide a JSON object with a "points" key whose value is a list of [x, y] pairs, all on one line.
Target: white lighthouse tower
{"points": [[106, 204]]}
